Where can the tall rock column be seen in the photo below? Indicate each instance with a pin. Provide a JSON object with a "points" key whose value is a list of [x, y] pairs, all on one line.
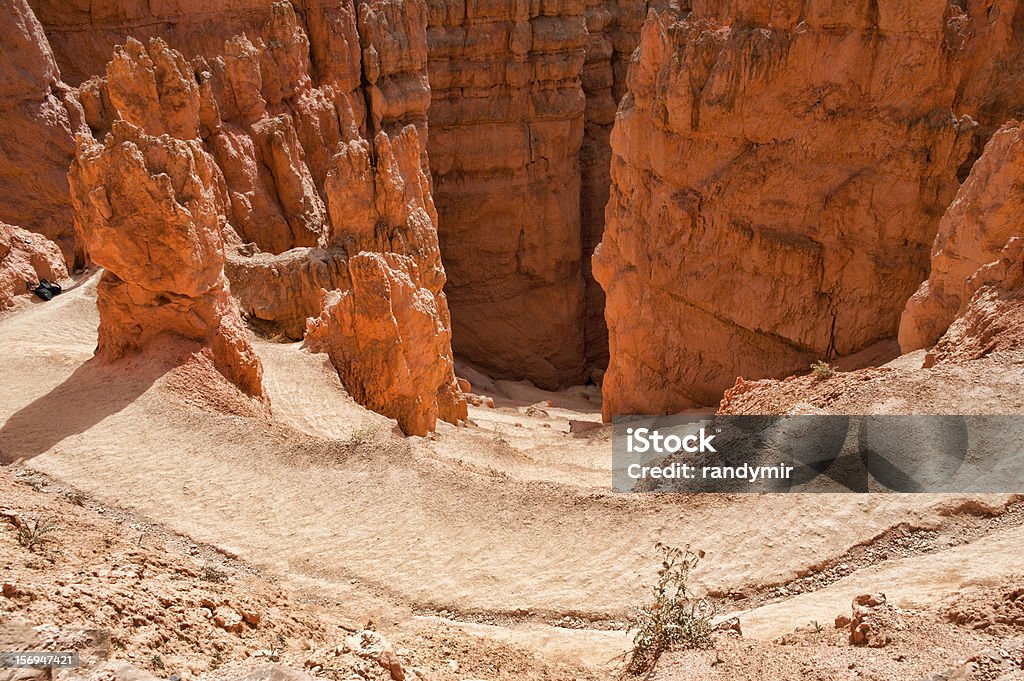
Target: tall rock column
{"points": [[147, 210], [778, 174], [388, 333]]}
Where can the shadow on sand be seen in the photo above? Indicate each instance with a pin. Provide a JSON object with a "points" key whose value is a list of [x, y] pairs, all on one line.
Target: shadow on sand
{"points": [[96, 390]]}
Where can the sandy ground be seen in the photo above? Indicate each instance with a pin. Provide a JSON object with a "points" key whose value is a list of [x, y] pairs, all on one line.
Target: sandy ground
{"points": [[504, 530]]}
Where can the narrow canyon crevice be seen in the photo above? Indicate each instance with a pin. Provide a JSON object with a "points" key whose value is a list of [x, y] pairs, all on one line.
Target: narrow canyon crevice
{"points": [[524, 99]]}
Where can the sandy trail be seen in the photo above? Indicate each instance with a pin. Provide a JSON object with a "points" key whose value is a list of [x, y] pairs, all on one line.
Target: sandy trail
{"points": [[508, 521], [910, 583]]}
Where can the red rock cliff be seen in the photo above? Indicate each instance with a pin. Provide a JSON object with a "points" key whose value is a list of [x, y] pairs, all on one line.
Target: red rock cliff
{"points": [[506, 127], [778, 174], [523, 102], [613, 31], [524, 98], [38, 118]]}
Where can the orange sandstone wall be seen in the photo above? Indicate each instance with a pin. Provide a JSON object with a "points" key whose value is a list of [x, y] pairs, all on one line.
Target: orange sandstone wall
{"points": [[778, 174], [507, 122], [39, 115]]}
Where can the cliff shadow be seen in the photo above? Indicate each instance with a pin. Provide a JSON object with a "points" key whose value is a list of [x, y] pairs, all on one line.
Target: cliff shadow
{"points": [[96, 390]]}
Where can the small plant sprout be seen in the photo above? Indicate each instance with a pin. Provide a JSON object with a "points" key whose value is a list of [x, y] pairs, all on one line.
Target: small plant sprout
{"points": [[34, 532], [361, 436], [212, 573], [822, 370]]}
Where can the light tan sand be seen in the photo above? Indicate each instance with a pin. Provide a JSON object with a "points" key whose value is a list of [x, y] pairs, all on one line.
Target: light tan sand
{"points": [[508, 522]]}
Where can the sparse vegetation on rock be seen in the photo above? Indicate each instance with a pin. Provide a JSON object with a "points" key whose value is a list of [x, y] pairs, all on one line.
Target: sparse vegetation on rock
{"points": [[822, 370], [34, 532]]}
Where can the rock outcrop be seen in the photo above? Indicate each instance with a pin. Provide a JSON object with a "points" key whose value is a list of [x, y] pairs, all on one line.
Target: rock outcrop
{"points": [[969, 314], [38, 118], [978, 246], [389, 334], [992, 322], [522, 107], [273, 110], [778, 175], [147, 210], [992, 47], [313, 165], [26, 257]]}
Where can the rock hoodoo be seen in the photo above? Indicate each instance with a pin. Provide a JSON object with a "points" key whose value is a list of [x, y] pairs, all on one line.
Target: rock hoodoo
{"points": [[309, 169], [522, 101], [389, 333], [147, 211]]}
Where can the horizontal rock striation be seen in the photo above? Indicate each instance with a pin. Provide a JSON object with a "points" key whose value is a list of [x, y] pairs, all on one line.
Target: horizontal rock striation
{"points": [[507, 121], [778, 174]]}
